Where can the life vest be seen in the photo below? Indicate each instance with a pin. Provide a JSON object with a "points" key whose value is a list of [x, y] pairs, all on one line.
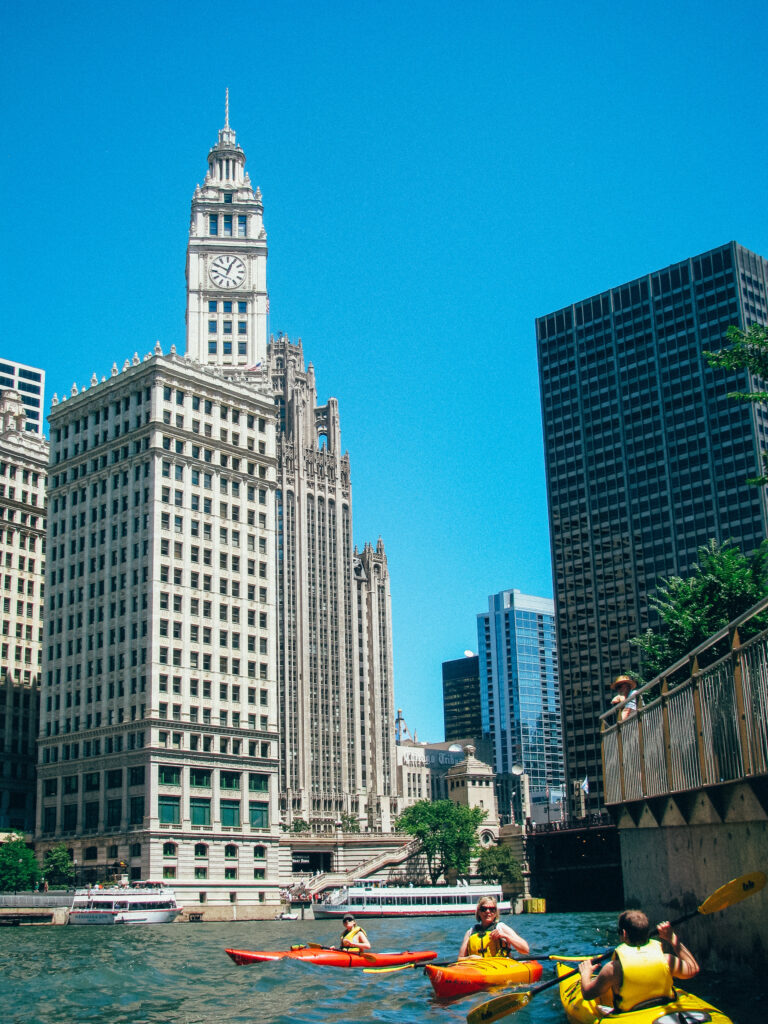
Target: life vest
{"points": [[348, 938], [645, 975], [482, 943]]}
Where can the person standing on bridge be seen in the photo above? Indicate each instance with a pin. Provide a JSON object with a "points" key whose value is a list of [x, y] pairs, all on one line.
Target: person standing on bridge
{"points": [[626, 696]]}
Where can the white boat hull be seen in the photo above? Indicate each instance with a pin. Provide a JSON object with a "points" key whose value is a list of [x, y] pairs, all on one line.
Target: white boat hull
{"points": [[421, 901]]}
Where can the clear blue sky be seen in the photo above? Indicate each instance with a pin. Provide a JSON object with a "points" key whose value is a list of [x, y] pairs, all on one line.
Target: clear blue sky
{"points": [[435, 175]]}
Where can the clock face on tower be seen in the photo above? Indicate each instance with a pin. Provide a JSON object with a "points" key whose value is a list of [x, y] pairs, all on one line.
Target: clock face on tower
{"points": [[227, 271]]}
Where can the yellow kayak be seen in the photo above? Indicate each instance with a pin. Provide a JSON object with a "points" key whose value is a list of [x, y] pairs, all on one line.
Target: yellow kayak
{"points": [[685, 1009]]}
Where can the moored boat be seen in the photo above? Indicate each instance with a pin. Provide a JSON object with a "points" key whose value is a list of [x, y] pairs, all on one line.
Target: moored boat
{"points": [[686, 1008], [407, 901], [327, 957], [475, 974], [142, 903]]}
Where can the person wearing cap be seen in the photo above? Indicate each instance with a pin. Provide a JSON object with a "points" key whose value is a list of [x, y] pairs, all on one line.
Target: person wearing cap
{"points": [[353, 936], [626, 696], [490, 937]]}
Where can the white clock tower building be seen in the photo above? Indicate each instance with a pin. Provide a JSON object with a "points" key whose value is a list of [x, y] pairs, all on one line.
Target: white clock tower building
{"points": [[227, 263]]}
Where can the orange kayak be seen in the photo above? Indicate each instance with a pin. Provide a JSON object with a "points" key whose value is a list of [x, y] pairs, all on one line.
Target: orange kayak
{"points": [[474, 974], [327, 957]]}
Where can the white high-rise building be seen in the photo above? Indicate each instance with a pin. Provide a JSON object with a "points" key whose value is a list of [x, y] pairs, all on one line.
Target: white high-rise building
{"points": [[23, 474], [29, 381], [218, 656]]}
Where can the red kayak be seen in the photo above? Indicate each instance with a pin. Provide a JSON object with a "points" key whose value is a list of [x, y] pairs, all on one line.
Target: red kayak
{"points": [[326, 957]]}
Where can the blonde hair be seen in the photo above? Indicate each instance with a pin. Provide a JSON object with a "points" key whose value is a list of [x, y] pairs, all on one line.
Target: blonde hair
{"points": [[486, 901]]}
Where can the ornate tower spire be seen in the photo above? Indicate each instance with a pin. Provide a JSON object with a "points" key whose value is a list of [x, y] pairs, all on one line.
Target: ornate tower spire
{"points": [[227, 262]]}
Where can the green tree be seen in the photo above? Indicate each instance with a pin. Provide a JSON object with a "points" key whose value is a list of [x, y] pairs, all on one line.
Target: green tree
{"points": [[499, 864], [299, 825], [18, 867], [746, 350], [58, 868], [724, 584], [349, 822], [448, 834]]}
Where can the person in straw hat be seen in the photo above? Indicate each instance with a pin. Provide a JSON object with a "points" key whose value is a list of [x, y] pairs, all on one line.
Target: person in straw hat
{"points": [[625, 695]]}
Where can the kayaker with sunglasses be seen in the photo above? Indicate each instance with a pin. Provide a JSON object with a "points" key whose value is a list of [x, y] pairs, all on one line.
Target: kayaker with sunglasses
{"points": [[353, 936], [490, 937]]}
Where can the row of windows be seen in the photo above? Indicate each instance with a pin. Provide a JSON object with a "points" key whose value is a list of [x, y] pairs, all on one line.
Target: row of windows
{"points": [[226, 327], [226, 348], [231, 851], [231, 226], [227, 306], [230, 812]]}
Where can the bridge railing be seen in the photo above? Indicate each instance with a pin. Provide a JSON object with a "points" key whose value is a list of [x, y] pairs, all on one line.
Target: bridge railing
{"points": [[702, 722]]}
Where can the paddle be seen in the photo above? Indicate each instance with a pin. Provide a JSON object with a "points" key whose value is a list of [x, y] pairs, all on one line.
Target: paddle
{"points": [[732, 892], [443, 963], [358, 952]]}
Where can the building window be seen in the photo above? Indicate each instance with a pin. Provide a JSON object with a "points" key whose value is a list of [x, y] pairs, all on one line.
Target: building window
{"points": [[169, 810], [230, 813], [213, 224], [258, 783], [201, 872], [227, 225], [259, 852], [212, 308], [230, 873], [200, 777], [259, 813], [230, 851], [200, 814], [169, 871], [211, 326], [201, 850], [259, 873], [242, 223], [169, 849], [169, 775]]}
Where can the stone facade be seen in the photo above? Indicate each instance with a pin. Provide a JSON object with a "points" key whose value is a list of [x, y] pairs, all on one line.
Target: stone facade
{"points": [[23, 474]]}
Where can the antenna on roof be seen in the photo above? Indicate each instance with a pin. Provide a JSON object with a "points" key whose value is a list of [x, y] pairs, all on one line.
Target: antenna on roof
{"points": [[226, 110]]}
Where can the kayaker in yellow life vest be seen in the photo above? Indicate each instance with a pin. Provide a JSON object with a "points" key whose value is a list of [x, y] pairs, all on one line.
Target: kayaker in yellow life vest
{"points": [[353, 936], [640, 971], [490, 937]]}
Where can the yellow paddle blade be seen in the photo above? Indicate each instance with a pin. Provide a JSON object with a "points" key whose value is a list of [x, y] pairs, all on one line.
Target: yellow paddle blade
{"points": [[497, 1008], [733, 892], [388, 970], [568, 959]]}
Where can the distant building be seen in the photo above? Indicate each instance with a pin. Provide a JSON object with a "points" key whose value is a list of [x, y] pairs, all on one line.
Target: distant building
{"points": [[646, 459], [23, 474], [29, 381], [461, 698], [520, 700]]}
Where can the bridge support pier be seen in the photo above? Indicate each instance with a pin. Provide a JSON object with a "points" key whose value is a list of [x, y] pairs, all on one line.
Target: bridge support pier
{"points": [[676, 850]]}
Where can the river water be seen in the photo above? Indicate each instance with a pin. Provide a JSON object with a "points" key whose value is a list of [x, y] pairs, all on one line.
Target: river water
{"points": [[180, 974]]}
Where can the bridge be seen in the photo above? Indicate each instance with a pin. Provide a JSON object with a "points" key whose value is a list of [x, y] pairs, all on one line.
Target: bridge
{"points": [[686, 781]]}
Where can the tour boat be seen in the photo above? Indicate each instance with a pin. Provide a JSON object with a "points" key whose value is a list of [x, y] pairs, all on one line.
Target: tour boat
{"points": [[143, 903], [406, 901]]}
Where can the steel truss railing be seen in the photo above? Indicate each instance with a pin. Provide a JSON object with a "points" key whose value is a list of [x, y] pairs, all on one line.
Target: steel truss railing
{"points": [[694, 726]]}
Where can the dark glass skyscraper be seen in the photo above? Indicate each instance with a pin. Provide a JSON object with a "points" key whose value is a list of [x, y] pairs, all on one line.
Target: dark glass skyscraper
{"points": [[646, 460], [461, 698]]}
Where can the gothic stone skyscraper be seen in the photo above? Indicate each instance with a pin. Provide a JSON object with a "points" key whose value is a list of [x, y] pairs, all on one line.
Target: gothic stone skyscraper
{"points": [[646, 460], [334, 650]]}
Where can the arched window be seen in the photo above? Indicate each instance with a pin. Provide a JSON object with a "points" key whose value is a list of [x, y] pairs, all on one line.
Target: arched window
{"points": [[259, 852], [230, 850], [169, 849], [201, 850]]}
